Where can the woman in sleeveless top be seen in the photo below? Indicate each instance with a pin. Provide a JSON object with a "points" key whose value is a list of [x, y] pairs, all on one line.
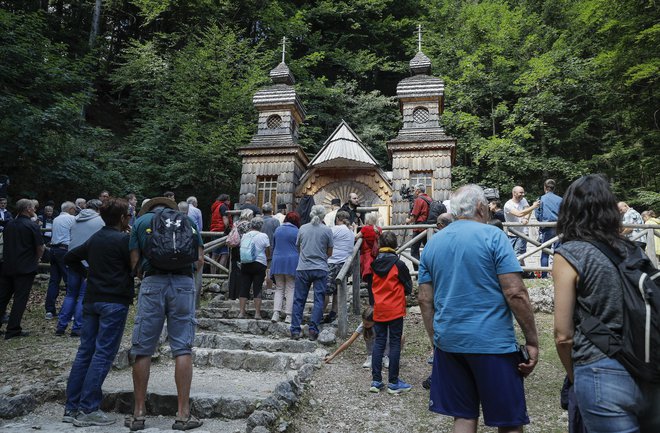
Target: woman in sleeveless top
{"points": [[586, 282]]}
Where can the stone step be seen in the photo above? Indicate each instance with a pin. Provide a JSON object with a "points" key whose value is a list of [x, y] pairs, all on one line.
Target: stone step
{"points": [[249, 342], [215, 392], [245, 326], [232, 313], [250, 360]]}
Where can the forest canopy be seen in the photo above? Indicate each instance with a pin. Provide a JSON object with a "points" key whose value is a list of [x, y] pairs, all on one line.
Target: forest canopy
{"points": [[145, 96]]}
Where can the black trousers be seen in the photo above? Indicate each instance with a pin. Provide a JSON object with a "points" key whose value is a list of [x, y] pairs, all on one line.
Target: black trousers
{"points": [[18, 287], [414, 248], [252, 275]]}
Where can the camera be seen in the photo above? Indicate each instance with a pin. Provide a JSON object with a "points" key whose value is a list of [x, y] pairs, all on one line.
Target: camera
{"points": [[407, 193], [492, 194]]}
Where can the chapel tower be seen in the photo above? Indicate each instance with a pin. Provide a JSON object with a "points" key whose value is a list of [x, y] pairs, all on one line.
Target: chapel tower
{"points": [[273, 162], [421, 152]]}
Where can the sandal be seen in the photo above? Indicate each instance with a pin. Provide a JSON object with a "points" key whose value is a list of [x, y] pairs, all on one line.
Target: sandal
{"points": [[134, 423], [186, 423]]}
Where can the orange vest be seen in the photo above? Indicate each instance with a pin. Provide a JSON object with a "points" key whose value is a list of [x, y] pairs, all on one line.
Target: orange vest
{"points": [[389, 296]]}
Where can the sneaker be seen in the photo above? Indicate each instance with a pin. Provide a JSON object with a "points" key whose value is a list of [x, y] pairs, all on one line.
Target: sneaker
{"points": [[241, 316], [367, 363], [376, 386], [386, 362], [75, 334], [95, 418], [295, 336], [331, 317], [276, 317], [399, 387], [49, 316], [429, 360], [426, 384], [60, 332], [313, 335], [288, 319], [69, 416]]}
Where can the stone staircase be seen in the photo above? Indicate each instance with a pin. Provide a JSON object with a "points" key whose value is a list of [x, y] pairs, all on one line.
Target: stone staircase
{"points": [[245, 370]]}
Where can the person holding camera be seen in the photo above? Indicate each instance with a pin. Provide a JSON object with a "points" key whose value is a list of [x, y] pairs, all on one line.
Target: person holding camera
{"points": [[418, 215]]}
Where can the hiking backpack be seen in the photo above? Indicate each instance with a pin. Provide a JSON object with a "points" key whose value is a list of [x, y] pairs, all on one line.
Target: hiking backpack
{"points": [[248, 249], [435, 209], [171, 244], [637, 348]]}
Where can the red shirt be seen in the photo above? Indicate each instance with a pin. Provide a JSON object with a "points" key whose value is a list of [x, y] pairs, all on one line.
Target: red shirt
{"points": [[420, 210], [217, 211]]}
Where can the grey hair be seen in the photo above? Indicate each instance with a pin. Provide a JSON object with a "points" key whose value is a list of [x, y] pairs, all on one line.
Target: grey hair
{"points": [[23, 205], [371, 218], [257, 223], [249, 197], [421, 187], [80, 200], [465, 201], [192, 200], [267, 207], [67, 205], [316, 214], [246, 215], [183, 206], [94, 204]]}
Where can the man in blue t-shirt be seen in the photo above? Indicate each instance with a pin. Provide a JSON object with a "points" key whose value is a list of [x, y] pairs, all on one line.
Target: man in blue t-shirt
{"points": [[469, 284], [548, 211]]}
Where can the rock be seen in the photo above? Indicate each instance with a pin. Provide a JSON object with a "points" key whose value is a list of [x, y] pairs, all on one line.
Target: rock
{"points": [[283, 426], [260, 418], [260, 429], [327, 336], [121, 360], [19, 405], [5, 390], [213, 288], [283, 391], [542, 299], [305, 373]]}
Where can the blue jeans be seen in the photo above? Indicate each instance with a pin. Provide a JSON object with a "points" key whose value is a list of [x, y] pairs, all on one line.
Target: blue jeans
{"points": [[304, 279], [611, 401], [73, 302], [547, 233], [395, 328], [58, 272], [103, 327]]}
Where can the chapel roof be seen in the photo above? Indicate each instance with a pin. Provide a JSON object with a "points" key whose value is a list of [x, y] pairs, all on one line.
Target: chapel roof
{"points": [[343, 149]]}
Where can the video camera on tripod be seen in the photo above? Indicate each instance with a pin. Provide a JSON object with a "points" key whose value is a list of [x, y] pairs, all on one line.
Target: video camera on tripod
{"points": [[408, 193]]}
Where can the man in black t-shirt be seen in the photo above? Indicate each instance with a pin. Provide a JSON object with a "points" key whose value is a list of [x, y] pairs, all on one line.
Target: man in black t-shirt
{"points": [[23, 248]]}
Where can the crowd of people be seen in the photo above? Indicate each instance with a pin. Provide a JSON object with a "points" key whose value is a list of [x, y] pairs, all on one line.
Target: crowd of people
{"points": [[469, 282]]}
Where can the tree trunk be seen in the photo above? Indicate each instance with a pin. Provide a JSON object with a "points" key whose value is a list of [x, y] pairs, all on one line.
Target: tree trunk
{"points": [[96, 18]]}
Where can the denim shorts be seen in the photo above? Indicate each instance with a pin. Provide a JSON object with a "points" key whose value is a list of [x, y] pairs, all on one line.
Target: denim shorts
{"points": [[461, 381], [161, 297]]}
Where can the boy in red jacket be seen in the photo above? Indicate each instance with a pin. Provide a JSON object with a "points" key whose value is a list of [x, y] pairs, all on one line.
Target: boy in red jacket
{"points": [[391, 284]]}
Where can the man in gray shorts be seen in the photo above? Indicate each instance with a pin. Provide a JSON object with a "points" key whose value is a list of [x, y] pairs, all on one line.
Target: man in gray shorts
{"points": [[163, 294]]}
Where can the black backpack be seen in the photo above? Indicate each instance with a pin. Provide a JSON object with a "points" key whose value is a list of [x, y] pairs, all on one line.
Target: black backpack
{"points": [[637, 348], [171, 245], [435, 209]]}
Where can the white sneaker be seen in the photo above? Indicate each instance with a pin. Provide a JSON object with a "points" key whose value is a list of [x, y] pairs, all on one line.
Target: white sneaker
{"points": [[276, 317], [288, 319], [367, 363], [386, 362]]}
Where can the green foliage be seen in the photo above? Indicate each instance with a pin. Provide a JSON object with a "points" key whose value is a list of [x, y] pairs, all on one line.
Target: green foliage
{"points": [[534, 89]]}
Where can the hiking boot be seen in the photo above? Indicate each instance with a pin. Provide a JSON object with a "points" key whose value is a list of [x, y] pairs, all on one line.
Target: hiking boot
{"points": [[376, 386], [399, 387], [367, 363], [69, 415], [95, 418], [75, 334], [331, 317], [60, 332], [386, 362], [313, 335]]}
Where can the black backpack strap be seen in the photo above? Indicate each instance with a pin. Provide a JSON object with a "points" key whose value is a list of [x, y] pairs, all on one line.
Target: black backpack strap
{"points": [[608, 251]]}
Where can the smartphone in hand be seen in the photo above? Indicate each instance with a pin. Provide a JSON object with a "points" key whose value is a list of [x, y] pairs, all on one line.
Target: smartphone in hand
{"points": [[524, 355]]}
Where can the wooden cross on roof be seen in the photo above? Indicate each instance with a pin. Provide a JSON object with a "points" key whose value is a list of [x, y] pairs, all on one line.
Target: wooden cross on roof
{"points": [[283, 48], [419, 37]]}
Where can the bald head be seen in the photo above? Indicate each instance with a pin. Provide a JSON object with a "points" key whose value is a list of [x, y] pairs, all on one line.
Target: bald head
{"points": [[623, 207], [517, 193]]}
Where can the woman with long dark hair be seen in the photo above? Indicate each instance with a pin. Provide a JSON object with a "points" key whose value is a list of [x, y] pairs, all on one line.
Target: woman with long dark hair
{"points": [[588, 283]]}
